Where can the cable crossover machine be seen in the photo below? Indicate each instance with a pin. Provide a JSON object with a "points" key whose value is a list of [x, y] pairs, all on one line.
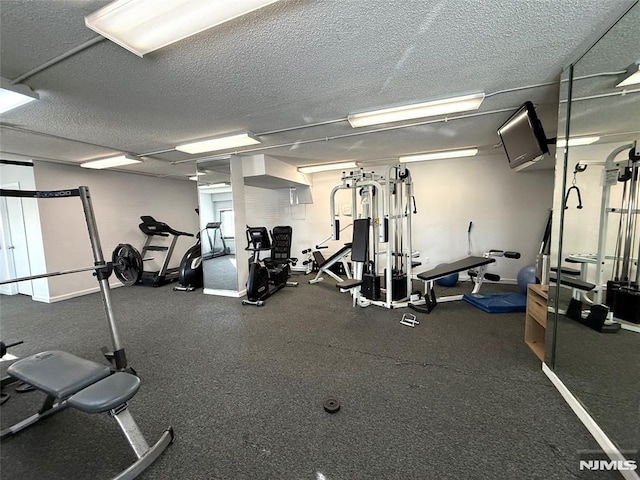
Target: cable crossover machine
{"points": [[382, 206], [71, 381], [382, 255]]}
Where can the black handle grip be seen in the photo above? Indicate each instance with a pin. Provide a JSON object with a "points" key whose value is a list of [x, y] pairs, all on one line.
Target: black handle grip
{"points": [[512, 254], [492, 277], [320, 247], [4, 346], [305, 251]]}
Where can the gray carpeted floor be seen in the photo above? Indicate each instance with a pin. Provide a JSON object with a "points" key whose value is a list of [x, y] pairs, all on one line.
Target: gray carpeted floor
{"points": [[459, 396]]}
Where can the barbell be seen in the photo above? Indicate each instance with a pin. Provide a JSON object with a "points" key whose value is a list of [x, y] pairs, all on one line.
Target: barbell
{"points": [[126, 263]]}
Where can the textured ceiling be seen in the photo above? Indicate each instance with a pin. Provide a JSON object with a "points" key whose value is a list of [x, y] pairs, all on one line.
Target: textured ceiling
{"points": [[289, 66]]}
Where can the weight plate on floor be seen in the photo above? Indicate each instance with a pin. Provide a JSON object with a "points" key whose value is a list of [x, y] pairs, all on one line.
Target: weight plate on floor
{"points": [[127, 264], [331, 405]]}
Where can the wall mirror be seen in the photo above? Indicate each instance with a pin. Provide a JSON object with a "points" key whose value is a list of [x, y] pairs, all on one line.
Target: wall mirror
{"points": [[217, 226], [596, 235]]}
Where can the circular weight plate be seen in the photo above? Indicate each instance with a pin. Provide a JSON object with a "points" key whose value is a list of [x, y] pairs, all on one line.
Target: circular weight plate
{"points": [[127, 264], [331, 405]]}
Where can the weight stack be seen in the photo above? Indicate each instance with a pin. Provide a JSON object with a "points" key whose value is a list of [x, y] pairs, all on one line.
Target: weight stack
{"points": [[624, 301], [398, 284], [371, 286]]}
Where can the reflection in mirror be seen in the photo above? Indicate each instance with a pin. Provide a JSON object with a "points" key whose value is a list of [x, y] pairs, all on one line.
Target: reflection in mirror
{"points": [[597, 341], [217, 230], [557, 214]]}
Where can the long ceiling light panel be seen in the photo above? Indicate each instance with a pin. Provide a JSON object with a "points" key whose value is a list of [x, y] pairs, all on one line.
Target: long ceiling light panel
{"points": [[111, 162], [13, 96], [632, 77], [142, 26], [327, 166], [219, 143], [576, 141], [417, 110], [470, 152]]}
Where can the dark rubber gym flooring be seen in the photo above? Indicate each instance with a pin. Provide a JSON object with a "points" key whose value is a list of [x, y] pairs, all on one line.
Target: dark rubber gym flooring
{"points": [[459, 396]]}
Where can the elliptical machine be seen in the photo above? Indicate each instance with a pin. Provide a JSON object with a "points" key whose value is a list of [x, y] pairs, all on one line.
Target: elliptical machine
{"points": [[190, 272], [270, 274]]}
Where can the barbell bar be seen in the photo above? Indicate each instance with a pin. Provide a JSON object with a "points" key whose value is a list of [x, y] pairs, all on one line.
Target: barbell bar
{"points": [[127, 266]]}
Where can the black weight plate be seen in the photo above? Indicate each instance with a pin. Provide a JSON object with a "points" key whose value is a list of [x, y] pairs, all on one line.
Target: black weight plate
{"points": [[127, 264], [331, 405]]}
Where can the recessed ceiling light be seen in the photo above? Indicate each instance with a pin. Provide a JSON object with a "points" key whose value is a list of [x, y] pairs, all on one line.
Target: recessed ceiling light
{"points": [[142, 26], [469, 152], [327, 166], [111, 162], [219, 143], [416, 110]]}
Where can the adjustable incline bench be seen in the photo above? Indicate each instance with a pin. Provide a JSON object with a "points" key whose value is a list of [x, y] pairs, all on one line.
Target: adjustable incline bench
{"points": [[430, 301], [68, 380], [324, 265]]}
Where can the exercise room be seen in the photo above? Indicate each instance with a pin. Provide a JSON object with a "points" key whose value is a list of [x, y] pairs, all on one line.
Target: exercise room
{"points": [[324, 240]]}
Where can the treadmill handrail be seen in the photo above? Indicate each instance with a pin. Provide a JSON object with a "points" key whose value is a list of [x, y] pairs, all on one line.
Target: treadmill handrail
{"points": [[150, 226]]}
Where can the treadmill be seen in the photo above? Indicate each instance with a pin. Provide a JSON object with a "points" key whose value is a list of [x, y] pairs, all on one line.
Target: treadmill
{"points": [[152, 229]]}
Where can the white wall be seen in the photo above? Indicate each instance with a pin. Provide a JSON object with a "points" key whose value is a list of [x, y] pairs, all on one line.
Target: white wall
{"points": [[509, 211], [119, 200], [24, 177], [582, 226]]}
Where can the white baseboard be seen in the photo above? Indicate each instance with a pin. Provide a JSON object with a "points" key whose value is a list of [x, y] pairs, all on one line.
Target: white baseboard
{"points": [[223, 293], [67, 296], [598, 434]]}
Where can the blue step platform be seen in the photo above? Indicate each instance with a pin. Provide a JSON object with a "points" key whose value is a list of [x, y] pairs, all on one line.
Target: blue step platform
{"points": [[498, 302]]}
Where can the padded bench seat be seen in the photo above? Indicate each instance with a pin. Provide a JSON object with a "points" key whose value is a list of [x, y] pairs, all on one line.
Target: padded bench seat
{"points": [[567, 271], [572, 282], [92, 388], [459, 266], [349, 284], [58, 374], [106, 394]]}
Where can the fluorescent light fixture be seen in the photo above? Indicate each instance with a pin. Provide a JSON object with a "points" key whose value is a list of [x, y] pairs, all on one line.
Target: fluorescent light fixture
{"points": [[142, 26], [215, 185], [111, 162], [469, 152], [576, 141], [417, 110], [13, 96], [632, 76], [219, 143], [327, 166]]}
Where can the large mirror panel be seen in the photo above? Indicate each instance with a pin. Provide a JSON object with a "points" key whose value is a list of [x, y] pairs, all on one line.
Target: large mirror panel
{"points": [[597, 235], [217, 226]]}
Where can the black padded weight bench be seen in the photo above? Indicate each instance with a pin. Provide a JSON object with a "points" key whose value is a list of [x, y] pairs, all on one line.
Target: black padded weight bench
{"points": [[70, 381], [325, 264], [429, 302]]}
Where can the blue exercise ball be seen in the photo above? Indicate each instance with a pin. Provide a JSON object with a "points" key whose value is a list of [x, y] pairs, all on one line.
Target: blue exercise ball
{"points": [[526, 275], [449, 280]]}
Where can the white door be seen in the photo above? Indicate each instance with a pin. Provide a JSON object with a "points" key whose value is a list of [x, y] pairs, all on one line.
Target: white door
{"points": [[14, 252]]}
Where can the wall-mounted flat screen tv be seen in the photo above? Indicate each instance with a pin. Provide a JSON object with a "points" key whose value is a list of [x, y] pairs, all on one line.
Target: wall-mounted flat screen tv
{"points": [[523, 138]]}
